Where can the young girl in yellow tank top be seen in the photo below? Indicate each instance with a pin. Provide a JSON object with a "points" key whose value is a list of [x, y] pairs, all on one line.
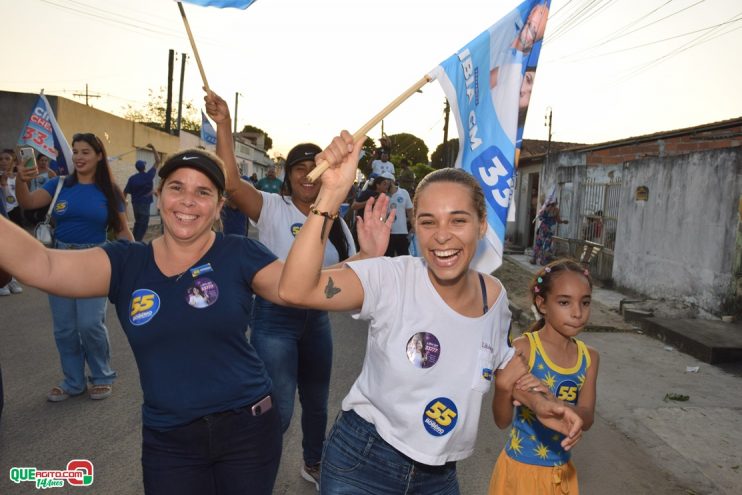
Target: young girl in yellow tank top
{"points": [[533, 462]]}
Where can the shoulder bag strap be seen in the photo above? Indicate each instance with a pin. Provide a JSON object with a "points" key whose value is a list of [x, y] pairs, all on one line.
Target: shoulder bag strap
{"points": [[48, 217]]}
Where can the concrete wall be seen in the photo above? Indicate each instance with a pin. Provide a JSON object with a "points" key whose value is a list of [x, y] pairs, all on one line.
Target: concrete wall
{"points": [[14, 110], [122, 138], [680, 244]]}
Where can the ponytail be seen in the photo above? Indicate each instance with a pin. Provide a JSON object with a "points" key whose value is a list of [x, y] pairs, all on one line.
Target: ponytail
{"points": [[537, 325]]}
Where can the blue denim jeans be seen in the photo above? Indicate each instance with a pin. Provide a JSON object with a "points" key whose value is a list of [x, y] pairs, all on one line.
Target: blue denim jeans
{"points": [[227, 453], [356, 460], [141, 220], [296, 347], [81, 336]]}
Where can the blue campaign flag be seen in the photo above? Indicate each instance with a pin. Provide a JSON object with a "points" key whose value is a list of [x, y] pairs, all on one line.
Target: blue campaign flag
{"points": [[488, 85], [208, 133], [237, 4], [42, 133]]}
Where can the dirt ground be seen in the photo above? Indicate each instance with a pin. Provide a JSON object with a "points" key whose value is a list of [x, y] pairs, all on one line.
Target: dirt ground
{"points": [[516, 281]]}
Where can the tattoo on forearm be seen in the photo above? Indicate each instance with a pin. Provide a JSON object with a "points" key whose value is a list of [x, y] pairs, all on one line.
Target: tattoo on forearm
{"points": [[330, 289]]}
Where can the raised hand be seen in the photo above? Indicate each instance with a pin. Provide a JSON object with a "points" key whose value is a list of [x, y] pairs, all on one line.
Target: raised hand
{"points": [[342, 156], [375, 227], [216, 107], [26, 173]]}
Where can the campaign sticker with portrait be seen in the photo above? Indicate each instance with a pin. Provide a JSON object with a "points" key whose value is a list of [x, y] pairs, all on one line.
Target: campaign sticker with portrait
{"points": [[423, 350], [203, 293]]}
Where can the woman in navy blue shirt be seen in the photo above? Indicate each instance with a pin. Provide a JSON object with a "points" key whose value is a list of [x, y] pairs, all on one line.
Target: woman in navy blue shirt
{"points": [[89, 203], [184, 301]]}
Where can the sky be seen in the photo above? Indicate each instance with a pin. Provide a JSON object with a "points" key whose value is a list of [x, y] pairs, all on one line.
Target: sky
{"points": [[305, 69]]}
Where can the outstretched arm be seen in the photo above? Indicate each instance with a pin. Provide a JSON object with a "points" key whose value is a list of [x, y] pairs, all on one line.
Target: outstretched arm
{"points": [[242, 193], [303, 282], [69, 273], [158, 159]]}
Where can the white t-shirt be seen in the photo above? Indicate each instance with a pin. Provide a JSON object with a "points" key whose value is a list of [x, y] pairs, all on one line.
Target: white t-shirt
{"points": [[402, 202], [280, 221], [378, 167], [427, 409], [9, 198]]}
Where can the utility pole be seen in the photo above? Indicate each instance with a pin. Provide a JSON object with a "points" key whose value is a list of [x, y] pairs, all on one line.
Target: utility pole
{"points": [[236, 103], [180, 93], [547, 123], [169, 103], [87, 95], [446, 112]]}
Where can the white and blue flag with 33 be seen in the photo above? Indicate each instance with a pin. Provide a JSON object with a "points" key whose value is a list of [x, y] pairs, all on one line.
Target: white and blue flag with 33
{"points": [[237, 4], [488, 85], [208, 133], [42, 133]]}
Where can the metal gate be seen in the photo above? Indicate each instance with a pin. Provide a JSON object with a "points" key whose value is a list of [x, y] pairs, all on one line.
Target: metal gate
{"points": [[598, 220]]}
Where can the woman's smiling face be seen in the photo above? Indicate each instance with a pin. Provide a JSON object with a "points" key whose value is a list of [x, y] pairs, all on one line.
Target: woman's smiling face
{"points": [[448, 227]]}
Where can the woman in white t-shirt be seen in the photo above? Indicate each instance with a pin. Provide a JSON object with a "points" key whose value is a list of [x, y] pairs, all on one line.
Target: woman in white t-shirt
{"points": [[405, 424], [295, 344]]}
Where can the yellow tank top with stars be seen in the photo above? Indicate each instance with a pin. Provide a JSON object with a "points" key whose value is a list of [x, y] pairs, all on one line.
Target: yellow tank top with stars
{"points": [[529, 441]]}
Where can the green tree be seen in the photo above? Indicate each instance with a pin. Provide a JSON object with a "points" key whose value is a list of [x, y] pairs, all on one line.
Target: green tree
{"points": [[268, 140], [438, 159], [408, 146], [421, 170], [369, 148], [153, 113]]}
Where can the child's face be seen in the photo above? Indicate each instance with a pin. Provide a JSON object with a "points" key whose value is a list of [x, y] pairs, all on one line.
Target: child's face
{"points": [[566, 307]]}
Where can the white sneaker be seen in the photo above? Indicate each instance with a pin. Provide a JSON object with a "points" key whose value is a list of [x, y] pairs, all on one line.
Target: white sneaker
{"points": [[311, 474], [4, 291], [15, 287]]}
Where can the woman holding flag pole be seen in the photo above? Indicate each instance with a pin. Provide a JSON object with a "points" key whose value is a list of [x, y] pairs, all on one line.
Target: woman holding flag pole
{"points": [[405, 422]]}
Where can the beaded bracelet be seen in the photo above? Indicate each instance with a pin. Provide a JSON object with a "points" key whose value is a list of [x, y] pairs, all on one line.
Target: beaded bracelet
{"points": [[330, 216], [326, 216]]}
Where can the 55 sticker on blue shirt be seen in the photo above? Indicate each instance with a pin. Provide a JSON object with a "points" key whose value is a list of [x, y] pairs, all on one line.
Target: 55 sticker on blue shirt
{"points": [[143, 307]]}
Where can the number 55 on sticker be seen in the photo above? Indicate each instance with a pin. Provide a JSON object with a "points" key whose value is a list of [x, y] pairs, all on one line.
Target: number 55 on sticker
{"points": [[440, 416]]}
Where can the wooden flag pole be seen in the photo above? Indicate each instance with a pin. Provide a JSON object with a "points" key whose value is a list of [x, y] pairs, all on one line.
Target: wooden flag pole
{"points": [[361, 133], [193, 45]]}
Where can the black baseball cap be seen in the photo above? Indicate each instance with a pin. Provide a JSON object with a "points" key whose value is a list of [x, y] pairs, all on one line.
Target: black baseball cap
{"points": [[198, 160], [302, 152]]}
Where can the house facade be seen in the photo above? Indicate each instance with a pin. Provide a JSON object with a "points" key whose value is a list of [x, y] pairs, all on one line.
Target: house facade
{"points": [[663, 208]]}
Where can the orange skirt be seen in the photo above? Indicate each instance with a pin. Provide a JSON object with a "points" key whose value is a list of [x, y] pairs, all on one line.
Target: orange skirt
{"points": [[511, 477]]}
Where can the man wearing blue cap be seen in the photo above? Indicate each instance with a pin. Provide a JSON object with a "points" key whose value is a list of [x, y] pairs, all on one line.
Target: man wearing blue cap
{"points": [[140, 186]]}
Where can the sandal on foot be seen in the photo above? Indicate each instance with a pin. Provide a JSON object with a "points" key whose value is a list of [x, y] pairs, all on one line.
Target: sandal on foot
{"points": [[57, 394], [101, 391]]}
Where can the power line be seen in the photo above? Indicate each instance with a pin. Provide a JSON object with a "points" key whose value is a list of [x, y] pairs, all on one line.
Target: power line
{"points": [[635, 21], [691, 44], [621, 50], [618, 36], [123, 21], [578, 18]]}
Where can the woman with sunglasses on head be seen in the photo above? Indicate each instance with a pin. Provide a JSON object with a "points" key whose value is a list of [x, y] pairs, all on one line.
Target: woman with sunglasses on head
{"points": [[295, 344], [89, 203]]}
